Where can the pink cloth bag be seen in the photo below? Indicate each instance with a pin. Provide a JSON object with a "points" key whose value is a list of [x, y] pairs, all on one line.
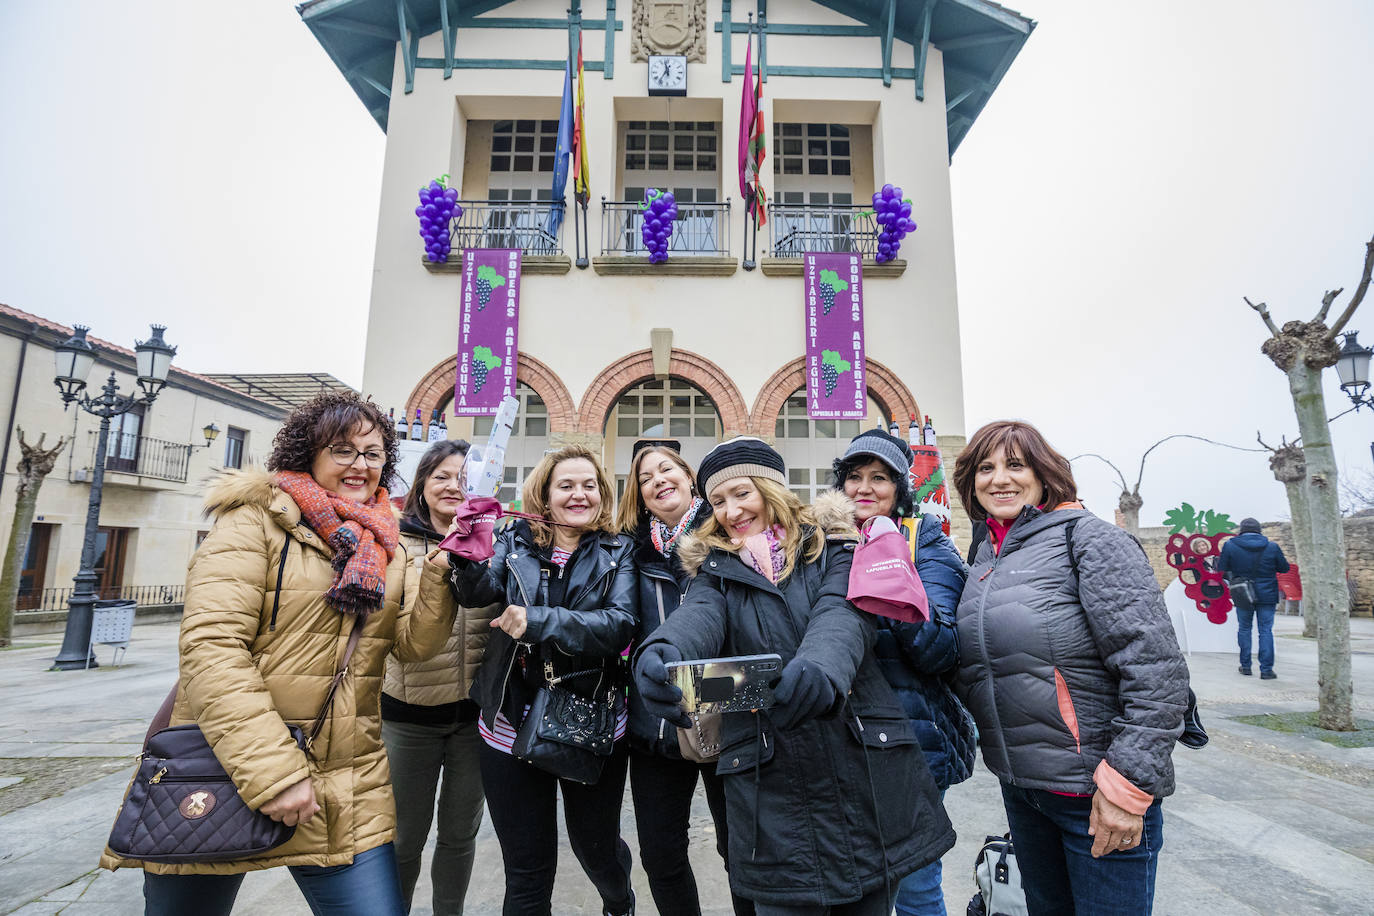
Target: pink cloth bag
{"points": [[882, 579], [476, 520]]}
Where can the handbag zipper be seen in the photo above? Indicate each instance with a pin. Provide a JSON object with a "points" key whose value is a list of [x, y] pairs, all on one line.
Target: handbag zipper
{"points": [[163, 776]]}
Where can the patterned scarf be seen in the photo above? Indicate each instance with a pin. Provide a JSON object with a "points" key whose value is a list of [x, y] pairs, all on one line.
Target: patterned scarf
{"points": [[767, 543], [364, 537], [664, 538]]}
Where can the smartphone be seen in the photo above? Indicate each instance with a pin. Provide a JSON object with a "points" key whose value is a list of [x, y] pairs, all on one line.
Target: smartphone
{"points": [[737, 684]]}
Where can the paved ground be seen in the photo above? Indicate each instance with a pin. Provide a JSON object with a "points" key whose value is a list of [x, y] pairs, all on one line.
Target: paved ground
{"points": [[1263, 823]]}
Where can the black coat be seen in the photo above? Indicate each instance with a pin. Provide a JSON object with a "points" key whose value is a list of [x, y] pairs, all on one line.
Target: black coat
{"points": [[589, 629], [841, 805], [662, 582]]}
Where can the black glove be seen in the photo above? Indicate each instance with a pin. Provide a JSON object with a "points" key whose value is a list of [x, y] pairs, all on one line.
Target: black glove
{"points": [[803, 692], [660, 696]]}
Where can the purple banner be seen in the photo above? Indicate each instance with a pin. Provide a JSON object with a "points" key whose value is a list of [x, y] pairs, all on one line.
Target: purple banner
{"points": [[487, 335], [836, 387]]}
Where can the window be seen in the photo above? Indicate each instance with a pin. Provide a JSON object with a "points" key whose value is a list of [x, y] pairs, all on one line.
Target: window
{"points": [[811, 149], [523, 146], [122, 446], [529, 439], [235, 440], [111, 546], [661, 409], [670, 146], [808, 447]]}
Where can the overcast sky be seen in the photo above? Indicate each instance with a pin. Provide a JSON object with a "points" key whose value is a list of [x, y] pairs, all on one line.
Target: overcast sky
{"points": [[1140, 168]]}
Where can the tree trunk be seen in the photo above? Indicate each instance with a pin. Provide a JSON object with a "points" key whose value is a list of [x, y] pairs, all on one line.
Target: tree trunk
{"points": [[34, 464], [1290, 469], [1324, 591], [1129, 504]]}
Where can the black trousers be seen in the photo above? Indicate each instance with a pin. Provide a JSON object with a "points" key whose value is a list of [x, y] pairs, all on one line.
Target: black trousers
{"points": [[522, 802], [662, 788]]}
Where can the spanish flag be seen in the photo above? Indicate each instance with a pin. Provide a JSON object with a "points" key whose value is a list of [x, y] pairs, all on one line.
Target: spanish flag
{"points": [[581, 173]]}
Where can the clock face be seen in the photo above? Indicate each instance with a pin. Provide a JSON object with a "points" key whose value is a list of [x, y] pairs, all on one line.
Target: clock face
{"points": [[668, 74]]}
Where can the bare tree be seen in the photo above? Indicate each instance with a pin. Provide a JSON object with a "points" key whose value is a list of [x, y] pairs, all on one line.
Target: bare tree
{"points": [[1357, 494], [1290, 469], [1301, 350], [1130, 501], [35, 463]]}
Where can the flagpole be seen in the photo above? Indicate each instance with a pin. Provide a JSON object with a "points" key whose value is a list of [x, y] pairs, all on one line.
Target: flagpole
{"points": [[750, 200]]}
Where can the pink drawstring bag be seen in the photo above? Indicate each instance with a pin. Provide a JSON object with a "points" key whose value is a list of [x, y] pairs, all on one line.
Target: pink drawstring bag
{"points": [[474, 523], [882, 580]]}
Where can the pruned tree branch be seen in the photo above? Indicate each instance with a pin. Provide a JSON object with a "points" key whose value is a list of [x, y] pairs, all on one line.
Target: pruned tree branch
{"points": [[1329, 298], [1263, 310], [1141, 476], [1120, 476], [1358, 296]]}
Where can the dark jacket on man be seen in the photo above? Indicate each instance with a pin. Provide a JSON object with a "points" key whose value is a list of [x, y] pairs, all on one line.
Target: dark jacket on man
{"points": [[1253, 556]]}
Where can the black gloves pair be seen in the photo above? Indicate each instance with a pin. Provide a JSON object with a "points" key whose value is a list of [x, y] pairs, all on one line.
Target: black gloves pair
{"points": [[802, 693]]}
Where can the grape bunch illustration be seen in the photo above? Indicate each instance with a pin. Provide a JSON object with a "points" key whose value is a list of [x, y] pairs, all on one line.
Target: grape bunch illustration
{"points": [[1193, 549], [487, 280], [482, 362], [831, 367], [830, 285]]}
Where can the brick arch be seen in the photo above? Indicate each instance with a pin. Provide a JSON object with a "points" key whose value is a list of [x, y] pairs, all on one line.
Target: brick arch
{"points": [[623, 374], [437, 385], [884, 386]]}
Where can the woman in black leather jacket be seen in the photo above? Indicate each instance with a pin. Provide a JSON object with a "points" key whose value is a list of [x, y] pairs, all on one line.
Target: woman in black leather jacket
{"points": [[660, 507], [570, 602]]}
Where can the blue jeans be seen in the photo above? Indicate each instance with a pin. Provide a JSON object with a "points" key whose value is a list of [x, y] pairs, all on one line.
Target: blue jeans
{"points": [[1054, 853], [368, 887], [921, 893], [1265, 613]]}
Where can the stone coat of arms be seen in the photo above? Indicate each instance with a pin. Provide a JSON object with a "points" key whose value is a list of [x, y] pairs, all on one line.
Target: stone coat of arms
{"points": [[668, 27]]}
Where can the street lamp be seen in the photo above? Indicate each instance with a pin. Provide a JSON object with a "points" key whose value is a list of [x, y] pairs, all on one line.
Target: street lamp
{"points": [[1353, 369], [211, 432], [74, 360]]}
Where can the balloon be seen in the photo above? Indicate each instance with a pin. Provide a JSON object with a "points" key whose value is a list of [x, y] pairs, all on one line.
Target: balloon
{"points": [[887, 191], [451, 193], [905, 210]]}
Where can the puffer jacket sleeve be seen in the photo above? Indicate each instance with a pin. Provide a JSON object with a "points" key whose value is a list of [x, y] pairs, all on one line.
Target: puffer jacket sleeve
{"points": [[837, 635], [479, 584], [606, 630], [1125, 612], [223, 689], [697, 627], [1280, 561], [425, 625], [933, 647]]}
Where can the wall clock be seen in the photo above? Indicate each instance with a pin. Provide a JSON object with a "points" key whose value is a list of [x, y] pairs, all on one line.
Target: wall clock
{"points": [[667, 74]]}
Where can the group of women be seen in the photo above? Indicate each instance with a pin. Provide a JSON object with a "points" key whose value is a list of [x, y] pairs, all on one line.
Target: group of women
{"points": [[828, 802]]}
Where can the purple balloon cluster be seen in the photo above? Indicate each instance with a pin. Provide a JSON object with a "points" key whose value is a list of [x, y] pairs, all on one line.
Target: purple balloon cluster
{"points": [[660, 210], [438, 205], [894, 216]]}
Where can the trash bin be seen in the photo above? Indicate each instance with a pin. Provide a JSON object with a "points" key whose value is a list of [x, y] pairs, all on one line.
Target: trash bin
{"points": [[112, 624]]}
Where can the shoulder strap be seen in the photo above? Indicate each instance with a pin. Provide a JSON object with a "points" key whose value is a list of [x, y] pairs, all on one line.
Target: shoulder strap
{"points": [[1068, 542], [354, 636], [276, 597]]}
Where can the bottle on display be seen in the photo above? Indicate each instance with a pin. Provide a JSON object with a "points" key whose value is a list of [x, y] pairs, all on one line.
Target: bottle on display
{"points": [[443, 427], [417, 426], [402, 430], [928, 432], [433, 434], [893, 429], [913, 432]]}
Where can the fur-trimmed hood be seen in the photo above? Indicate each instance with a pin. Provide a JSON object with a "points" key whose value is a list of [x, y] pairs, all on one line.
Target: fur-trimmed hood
{"points": [[831, 513], [229, 490]]}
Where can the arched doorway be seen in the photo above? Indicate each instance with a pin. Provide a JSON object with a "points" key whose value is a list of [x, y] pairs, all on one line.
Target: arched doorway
{"points": [[808, 447], [529, 439], [659, 409]]}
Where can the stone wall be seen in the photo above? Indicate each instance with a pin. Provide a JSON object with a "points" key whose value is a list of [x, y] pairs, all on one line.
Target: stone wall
{"points": [[1359, 553]]}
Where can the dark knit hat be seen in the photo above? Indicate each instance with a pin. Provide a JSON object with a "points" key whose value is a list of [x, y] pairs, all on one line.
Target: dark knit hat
{"points": [[1248, 525], [742, 456], [641, 444], [887, 448]]}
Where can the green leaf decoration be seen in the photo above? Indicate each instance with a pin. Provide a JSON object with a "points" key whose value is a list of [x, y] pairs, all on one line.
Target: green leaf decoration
{"points": [[488, 273], [1217, 523], [829, 276], [832, 358], [1184, 518], [486, 357]]}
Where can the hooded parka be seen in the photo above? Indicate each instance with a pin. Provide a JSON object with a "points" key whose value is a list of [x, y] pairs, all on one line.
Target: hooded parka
{"points": [[247, 672], [843, 804]]}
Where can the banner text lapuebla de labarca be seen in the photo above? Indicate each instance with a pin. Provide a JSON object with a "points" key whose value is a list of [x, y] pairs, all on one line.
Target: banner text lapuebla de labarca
{"points": [[488, 337], [836, 384]]}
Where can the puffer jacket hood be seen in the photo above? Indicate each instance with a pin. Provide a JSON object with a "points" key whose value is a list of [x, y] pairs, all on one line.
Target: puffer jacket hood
{"points": [[256, 657]]}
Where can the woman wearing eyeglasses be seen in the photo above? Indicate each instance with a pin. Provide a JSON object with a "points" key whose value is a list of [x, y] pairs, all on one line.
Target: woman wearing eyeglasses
{"points": [[301, 558]]}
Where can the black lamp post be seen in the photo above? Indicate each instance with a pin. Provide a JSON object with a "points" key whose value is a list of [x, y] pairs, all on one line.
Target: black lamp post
{"points": [[1353, 369], [74, 361]]}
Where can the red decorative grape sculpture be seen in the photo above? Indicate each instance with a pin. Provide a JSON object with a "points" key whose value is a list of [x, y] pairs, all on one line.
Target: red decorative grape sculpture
{"points": [[1193, 549]]}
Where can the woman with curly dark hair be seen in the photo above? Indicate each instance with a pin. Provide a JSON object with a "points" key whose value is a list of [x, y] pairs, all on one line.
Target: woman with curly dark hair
{"points": [[292, 603]]}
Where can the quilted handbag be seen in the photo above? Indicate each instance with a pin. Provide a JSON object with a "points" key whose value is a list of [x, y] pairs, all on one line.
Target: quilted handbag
{"points": [[565, 734]]}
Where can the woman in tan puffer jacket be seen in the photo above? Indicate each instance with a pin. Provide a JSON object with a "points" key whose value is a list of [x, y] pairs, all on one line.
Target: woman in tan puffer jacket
{"points": [[266, 622], [428, 723]]}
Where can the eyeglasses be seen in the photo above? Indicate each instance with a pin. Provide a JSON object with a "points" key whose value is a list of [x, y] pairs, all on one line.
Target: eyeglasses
{"points": [[347, 454]]}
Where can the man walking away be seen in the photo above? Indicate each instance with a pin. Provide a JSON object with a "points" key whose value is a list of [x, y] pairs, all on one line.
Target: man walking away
{"points": [[1252, 556]]}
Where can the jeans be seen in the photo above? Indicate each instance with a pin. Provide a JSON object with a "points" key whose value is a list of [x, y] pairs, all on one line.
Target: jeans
{"points": [[523, 804], [662, 789], [1054, 853], [1265, 613], [368, 887], [418, 754], [922, 893], [876, 903]]}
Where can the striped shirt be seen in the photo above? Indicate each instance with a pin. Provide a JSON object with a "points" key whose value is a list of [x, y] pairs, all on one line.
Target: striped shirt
{"points": [[501, 736]]}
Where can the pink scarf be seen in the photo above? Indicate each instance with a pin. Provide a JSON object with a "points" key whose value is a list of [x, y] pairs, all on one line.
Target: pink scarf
{"points": [[764, 552]]}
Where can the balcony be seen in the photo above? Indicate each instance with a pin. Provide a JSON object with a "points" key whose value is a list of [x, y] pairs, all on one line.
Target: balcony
{"points": [[795, 229], [522, 224], [699, 246], [140, 456]]}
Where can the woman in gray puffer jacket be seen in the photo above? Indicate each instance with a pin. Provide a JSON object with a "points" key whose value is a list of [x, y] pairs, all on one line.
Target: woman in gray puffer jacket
{"points": [[1069, 665]]}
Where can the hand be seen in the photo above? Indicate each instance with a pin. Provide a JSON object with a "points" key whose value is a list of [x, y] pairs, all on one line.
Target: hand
{"points": [[804, 692], [293, 805], [660, 695], [1113, 828], [512, 621]]}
